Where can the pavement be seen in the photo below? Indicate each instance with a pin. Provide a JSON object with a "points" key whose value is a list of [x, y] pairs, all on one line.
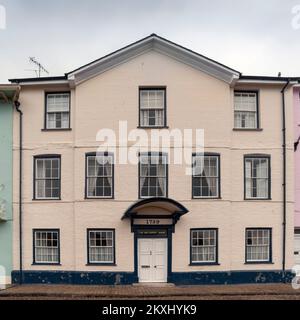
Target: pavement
{"points": [[215, 292]]}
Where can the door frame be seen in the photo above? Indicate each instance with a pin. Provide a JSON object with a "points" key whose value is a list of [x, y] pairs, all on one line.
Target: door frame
{"points": [[169, 232]]}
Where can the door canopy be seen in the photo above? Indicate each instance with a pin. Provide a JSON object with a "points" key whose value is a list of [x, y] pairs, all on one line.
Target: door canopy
{"points": [[156, 208]]}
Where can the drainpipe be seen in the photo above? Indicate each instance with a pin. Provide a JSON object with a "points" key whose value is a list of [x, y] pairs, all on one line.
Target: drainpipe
{"points": [[17, 105], [284, 174]]}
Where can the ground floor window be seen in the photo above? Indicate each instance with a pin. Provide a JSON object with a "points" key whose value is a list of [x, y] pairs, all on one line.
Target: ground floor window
{"points": [[204, 246], [101, 246], [46, 246], [258, 245]]}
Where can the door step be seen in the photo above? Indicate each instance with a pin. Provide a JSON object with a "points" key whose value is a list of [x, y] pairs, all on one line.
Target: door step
{"points": [[154, 284]]}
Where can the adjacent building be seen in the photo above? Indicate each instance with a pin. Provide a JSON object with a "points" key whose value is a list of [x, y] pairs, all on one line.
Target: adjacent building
{"points": [[8, 94], [89, 218]]}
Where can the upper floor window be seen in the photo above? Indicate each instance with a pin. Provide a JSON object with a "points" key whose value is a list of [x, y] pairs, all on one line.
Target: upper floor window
{"points": [[46, 247], [153, 175], [99, 175], [152, 107], [257, 177], [245, 110], [47, 177], [206, 176], [58, 110], [258, 245]]}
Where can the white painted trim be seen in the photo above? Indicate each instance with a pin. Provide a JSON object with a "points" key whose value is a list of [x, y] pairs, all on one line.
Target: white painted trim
{"points": [[159, 45], [40, 83], [263, 82]]}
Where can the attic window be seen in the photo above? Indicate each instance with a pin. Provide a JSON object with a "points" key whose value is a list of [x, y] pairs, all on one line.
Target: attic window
{"points": [[245, 110], [57, 111], [152, 107]]}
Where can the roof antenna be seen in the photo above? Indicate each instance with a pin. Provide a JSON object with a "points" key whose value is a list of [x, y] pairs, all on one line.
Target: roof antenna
{"points": [[279, 74], [39, 65]]}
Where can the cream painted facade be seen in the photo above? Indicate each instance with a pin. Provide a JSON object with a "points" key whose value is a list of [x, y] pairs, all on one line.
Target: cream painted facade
{"points": [[195, 100]]}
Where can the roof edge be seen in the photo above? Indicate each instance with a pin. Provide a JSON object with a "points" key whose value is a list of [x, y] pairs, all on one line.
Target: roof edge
{"points": [[268, 78], [41, 79]]}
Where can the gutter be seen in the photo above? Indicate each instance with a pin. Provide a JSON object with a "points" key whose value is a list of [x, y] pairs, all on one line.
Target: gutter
{"points": [[17, 105], [284, 174]]}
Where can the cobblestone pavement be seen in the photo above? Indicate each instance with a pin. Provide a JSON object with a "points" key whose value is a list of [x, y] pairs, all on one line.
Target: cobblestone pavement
{"points": [[224, 292]]}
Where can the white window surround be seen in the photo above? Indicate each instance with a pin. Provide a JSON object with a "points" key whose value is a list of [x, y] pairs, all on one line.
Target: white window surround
{"points": [[101, 246], [153, 177], [152, 107], [47, 178], [257, 177], [206, 176], [46, 247], [258, 245], [57, 111], [245, 110], [203, 246], [99, 176]]}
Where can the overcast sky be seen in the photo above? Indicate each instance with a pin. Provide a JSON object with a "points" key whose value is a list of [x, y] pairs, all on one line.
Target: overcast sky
{"points": [[255, 37]]}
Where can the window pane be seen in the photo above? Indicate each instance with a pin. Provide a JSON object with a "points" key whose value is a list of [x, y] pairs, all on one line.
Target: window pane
{"points": [[101, 246], [58, 102], [205, 176], [46, 247], [152, 104], [203, 246], [40, 168], [245, 110], [47, 178], [257, 177], [152, 99], [65, 120], [99, 176], [152, 118], [257, 245], [58, 111], [51, 120], [153, 175]]}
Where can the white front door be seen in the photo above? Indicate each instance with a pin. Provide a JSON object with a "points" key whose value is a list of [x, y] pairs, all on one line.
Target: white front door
{"points": [[152, 260], [297, 247]]}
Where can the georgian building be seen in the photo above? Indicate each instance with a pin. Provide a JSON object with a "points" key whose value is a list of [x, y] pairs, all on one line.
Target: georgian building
{"points": [[87, 218]]}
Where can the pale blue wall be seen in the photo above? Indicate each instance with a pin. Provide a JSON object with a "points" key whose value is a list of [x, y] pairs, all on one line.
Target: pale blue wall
{"points": [[6, 115]]}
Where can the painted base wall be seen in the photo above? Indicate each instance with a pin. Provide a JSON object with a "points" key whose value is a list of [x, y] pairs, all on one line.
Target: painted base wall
{"points": [[75, 277], [231, 277], [125, 278]]}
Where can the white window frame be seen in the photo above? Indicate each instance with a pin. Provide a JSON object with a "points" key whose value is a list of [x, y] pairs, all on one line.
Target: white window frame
{"points": [[205, 246], [149, 156], [259, 245], [243, 108], [46, 248], [57, 112], [44, 178], [198, 175], [249, 180], [159, 110], [112, 247], [96, 176]]}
